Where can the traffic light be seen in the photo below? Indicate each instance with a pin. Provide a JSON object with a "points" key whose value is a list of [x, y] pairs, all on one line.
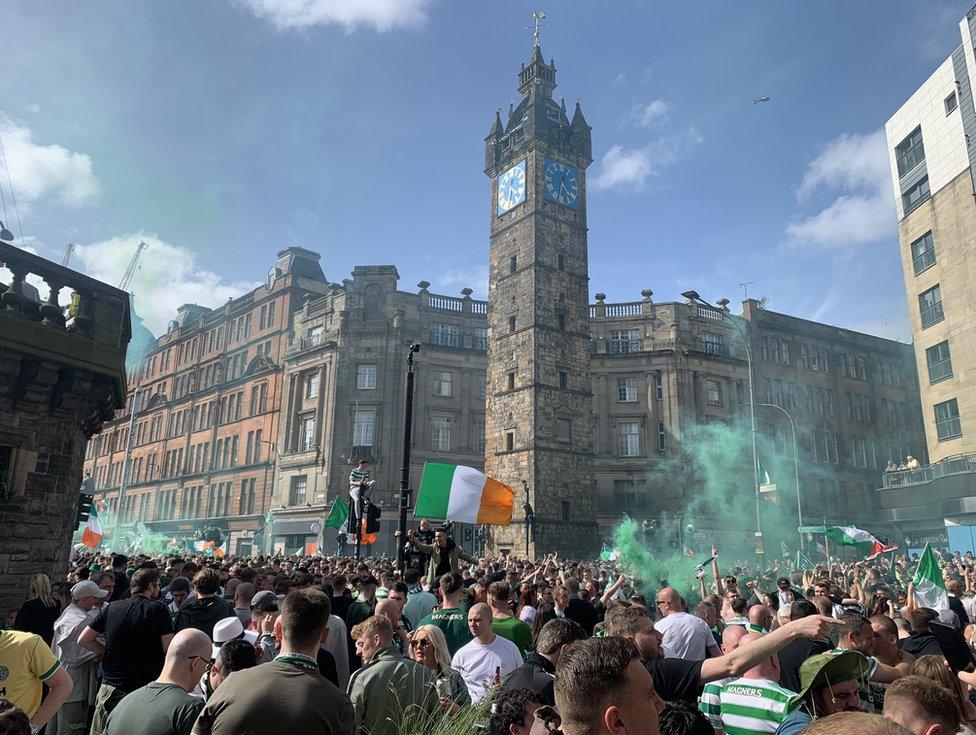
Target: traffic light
{"points": [[85, 503], [373, 513]]}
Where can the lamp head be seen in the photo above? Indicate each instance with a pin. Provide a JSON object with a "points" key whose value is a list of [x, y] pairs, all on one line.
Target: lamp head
{"points": [[691, 295], [415, 347], [5, 234]]}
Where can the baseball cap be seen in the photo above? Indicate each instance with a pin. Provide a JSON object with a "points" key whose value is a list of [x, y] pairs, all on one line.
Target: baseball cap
{"points": [[228, 629], [87, 588], [830, 668], [782, 581], [265, 601], [382, 593]]}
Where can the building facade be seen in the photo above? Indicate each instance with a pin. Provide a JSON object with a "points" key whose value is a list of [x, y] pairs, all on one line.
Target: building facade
{"points": [[59, 380], [933, 168], [200, 444]]}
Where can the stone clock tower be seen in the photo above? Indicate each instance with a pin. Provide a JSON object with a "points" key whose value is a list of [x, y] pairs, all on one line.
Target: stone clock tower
{"points": [[539, 411]]}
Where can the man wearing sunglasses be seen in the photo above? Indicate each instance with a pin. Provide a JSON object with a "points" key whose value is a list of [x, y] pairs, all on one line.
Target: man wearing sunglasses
{"points": [[164, 706]]}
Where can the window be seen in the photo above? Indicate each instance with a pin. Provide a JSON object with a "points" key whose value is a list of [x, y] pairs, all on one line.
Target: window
{"points": [[306, 424], [712, 343], [658, 386], [947, 424], [713, 393], [910, 152], [479, 434], [366, 377], [364, 422], [624, 340], [626, 390], [563, 429], [859, 455], [630, 495], [560, 262], [512, 321], [951, 103], [509, 441], [825, 447], [563, 378], [442, 384], [481, 338], [513, 264], [482, 386], [661, 437], [628, 436], [440, 433], [510, 381], [297, 490], [915, 195], [562, 322], [445, 335], [923, 253], [930, 306], [312, 385], [259, 398], [567, 510], [939, 362]]}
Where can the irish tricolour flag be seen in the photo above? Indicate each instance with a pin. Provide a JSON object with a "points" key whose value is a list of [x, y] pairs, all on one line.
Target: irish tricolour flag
{"points": [[92, 535], [451, 492], [865, 542]]}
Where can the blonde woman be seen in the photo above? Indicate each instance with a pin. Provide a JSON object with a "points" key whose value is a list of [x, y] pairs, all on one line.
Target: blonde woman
{"points": [[41, 610], [429, 647], [935, 668]]}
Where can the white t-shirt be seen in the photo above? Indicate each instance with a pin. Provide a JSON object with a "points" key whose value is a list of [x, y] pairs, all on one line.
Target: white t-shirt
{"points": [[684, 636], [476, 663]]}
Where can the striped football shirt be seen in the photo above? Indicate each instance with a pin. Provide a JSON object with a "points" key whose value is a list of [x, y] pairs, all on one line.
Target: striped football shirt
{"points": [[709, 702], [753, 706]]}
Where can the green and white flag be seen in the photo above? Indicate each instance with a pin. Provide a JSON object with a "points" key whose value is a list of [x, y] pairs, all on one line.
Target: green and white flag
{"points": [[930, 590], [338, 515]]}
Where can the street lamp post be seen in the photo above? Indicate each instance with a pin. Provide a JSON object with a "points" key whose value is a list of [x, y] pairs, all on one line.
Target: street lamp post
{"points": [[405, 467], [265, 495], [693, 297], [796, 467]]}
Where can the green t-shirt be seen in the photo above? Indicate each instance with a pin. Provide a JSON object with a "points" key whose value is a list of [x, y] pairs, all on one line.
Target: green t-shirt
{"points": [[155, 709], [453, 623], [515, 630]]}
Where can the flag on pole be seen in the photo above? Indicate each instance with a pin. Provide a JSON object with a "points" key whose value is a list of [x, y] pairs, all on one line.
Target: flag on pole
{"points": [[338, 514], [92, 535], [766, 485], [450, 492], [930, 589], [865, 542]]}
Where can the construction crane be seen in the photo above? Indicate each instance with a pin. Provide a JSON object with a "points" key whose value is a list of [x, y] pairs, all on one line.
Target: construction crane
{"points": [[67, 253], [131, 269]]}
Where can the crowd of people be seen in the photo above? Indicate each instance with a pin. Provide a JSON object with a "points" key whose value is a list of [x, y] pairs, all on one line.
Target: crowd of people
{"points": [[330, 645]]}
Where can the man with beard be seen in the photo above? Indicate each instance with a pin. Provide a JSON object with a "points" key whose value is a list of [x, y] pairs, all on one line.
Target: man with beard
{"points": [[445, 555], [829, 683]]}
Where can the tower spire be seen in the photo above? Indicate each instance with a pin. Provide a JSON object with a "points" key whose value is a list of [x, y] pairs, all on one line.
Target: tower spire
{"points": [[538, 16]]}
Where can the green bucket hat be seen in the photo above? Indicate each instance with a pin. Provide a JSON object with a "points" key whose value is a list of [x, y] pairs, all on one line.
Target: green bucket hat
{"points": [[830, 668]]}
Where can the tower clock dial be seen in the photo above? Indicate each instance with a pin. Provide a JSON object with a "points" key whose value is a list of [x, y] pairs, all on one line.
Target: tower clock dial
{"points": [[511, 187], [562, 183]]}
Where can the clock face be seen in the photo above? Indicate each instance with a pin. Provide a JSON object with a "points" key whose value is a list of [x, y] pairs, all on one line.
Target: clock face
{"points": [[511, 187], [562, 183]]}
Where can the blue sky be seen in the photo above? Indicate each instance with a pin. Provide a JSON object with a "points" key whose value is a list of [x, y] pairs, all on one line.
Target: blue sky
{"points": [[222, 131]]}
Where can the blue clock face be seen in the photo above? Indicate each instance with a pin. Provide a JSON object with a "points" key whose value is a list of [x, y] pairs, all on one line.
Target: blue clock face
{"points": [[511, 187], [562, 183]]}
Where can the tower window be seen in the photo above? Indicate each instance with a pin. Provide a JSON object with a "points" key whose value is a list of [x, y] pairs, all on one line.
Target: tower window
{"points": [[511, 324], [567, 510], [511, 381], [509, 441], [562, 379], [562, 322], [559, 261], [513, 264]]}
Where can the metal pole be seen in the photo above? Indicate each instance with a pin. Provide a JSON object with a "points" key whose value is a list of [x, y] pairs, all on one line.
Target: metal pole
{"points": [[405, 466], [528, 518], [126, 461], [796, 466]]}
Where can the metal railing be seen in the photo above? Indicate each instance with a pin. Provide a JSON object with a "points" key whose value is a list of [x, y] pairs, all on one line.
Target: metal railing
{"points": [[949, 466]]}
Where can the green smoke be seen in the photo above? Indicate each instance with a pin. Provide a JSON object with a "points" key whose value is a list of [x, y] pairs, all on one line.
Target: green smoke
{"points": [[652, 568]]}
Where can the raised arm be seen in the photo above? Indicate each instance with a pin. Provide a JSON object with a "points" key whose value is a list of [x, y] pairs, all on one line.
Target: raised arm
{"points": [[612, 589], [719, 588]]}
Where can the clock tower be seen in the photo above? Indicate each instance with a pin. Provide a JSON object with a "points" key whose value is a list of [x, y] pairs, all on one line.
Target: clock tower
{"points": [[538, 427]]}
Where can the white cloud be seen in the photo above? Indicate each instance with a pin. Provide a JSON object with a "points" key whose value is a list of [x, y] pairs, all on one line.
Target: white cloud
{"points": [[40, 171], [627, 169], [298, 15], [619, 79], [855, 167], [473, 278], [168, 276], [33, 107], [622, 168], [653, 113]]}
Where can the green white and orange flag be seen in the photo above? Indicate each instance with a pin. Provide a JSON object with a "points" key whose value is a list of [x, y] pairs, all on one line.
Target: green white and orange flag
{"points": [[450, 492], [92, 535]]}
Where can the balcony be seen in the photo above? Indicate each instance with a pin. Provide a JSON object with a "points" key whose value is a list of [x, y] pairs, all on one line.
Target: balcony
{"points": [[957, 464]]}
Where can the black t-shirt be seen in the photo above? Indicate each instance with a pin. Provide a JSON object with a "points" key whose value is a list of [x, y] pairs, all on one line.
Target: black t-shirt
{"points": [[793, 654], [133, 649], [36, 617], [676, 678], [121, 586]]}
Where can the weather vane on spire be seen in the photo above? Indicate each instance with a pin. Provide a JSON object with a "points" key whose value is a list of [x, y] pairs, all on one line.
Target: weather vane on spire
{"points": [[538, 16]]}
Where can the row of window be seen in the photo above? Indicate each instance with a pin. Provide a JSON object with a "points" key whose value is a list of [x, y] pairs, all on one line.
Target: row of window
{"points": [[449, 335]]}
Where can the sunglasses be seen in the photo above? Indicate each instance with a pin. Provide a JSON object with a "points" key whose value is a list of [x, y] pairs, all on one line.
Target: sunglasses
{"points": [[420, 643]]}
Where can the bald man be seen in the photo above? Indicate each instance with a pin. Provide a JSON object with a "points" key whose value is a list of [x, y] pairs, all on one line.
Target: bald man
{"points": [[759, 686], [709, 702], [488, 658], [683, 635], [392, 609], [760, 619], [164, 706]]}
